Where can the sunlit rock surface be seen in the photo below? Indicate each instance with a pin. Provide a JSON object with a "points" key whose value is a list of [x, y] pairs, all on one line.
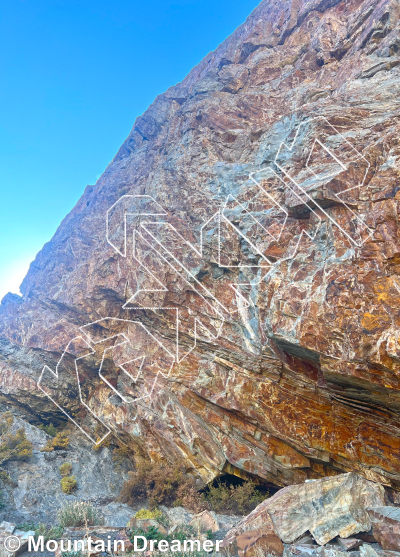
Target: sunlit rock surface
{"points": [[277, 158]]}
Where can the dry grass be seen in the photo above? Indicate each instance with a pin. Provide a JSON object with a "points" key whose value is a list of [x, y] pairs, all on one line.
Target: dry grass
{"points": [[65, 469], [167, 484], [240, 499], [162, 484], [78, 514], [60, 441], [12, 446]]}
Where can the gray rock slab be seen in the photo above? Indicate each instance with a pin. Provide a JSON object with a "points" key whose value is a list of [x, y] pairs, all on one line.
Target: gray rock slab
{"points": [[117, 515], [7, 527], [36, 493], [178, 516]]}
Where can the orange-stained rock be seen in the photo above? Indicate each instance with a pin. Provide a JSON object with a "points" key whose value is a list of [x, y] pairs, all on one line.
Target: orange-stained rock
{"points": [[277, 163], [252, 543], [257, 523]]}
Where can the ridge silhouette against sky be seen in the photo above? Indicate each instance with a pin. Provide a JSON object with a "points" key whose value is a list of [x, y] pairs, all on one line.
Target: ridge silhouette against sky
{"points": [[75, 75]]}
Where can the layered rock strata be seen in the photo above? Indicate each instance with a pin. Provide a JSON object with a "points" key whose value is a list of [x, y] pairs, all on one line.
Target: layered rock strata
{"points": [[251, 326]]}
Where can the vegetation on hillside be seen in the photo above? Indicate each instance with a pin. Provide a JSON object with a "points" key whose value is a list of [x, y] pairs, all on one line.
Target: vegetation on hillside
{"points": [[49, 429], [147, 513], [13, 446], [65, 469], [164, 483], [78, 513], [230, 499], [68, 484], [60, 441]]}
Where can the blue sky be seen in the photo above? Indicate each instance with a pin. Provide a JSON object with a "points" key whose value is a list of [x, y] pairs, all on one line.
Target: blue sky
{"points": [[74, 76]]}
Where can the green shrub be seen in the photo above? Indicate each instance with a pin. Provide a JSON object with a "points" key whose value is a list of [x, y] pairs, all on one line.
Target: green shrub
{"points": [[151, 533], [146, 513], [5, 477], [65, 469], [26, 526], [210, 535], [78, 514], [49, 429], [240, 499], [68, 484], [2, 503], [48, 533]]}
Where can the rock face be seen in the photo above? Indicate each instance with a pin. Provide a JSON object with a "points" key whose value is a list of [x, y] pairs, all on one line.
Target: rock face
{"points": [[386, 527], [250, 544], [252, 326], [204, 522], [34, 493], [326, 508]]}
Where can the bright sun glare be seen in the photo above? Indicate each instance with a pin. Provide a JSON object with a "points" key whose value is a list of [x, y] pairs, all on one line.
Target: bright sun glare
{"points": [[13, 275]]}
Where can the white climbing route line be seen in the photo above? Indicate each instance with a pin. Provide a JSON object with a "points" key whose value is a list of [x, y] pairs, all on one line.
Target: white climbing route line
{"points": [[156, 242]]}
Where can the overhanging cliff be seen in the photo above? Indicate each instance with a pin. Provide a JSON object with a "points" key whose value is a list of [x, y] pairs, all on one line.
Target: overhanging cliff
{"points": [[240, 258]]}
